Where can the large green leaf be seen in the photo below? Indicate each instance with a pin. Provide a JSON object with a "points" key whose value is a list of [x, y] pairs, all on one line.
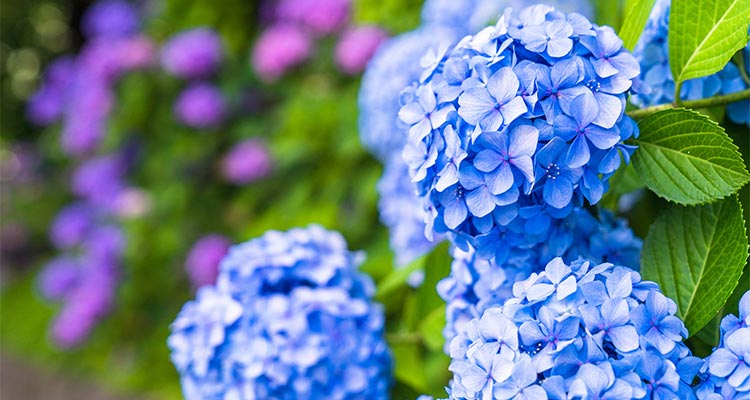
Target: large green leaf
{"points": [[696, 255], [635, 20], [704, 34], [685, 157]]}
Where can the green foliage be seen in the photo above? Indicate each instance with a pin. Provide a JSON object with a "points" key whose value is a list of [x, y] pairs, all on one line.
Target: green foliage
{"points": [[696, 255], [703, 35], [686, 158], [636, 15]]}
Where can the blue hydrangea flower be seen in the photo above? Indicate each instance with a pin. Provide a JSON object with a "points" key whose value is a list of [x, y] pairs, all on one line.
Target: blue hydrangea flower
{"points": [[288, 312], [566, 333], [726, 372], [509, 85], [476, 284], [652, 52], [471, 15], [403, 213], [394, 66]]}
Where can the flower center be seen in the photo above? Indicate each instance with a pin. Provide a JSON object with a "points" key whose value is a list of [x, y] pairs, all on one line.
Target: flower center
{"points": [[553, 171], [594, 85]]}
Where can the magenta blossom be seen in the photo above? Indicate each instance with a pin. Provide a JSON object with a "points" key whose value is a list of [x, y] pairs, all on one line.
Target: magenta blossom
{"points": [[356, 47], [246, 162], [320, 16], [193, 54], [279, 49], [202, 264], [200, 105]]}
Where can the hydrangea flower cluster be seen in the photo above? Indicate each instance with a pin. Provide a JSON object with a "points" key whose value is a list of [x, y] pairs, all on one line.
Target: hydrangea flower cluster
{"points": [[289, 311], [481, 144], [247, 161], [476, 284], [79, 90], [471, 16], [652, 52], [295, 27], [395, 65], [322, 17], [280, 48], [85, 275], [202, 263], [357, 46], [200, 105], [726, 372], [195, 55], [578, 331]]}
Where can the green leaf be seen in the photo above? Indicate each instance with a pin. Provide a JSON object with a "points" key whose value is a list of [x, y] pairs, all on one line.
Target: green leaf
{"points": [[686, 158], [635, 20], [431, 329], [696, 255], [398, 277], [409, 365], [436, 267], [704, 35]]}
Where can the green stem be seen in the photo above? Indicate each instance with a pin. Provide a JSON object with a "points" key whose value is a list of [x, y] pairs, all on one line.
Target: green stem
{"points": [[403, 337], [739, 59], [677, 93], [700, 103]]}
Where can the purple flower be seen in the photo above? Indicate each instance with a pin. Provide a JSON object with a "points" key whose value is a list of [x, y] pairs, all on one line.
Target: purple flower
{"points": [[191, 54], [320, 16], [85, 305], [246, 162], [110, 18], [280, 48], [356, 46], [58, 277], [48, 102], [89, 102], [99, 180], [71, 225], [202, 264], [200, 105]]}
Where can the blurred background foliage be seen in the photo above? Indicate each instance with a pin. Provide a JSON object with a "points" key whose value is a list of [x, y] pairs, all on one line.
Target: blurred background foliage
{"points": [[321, 174]]}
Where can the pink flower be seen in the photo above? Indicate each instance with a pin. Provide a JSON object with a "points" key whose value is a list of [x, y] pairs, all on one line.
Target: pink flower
{"points": [[246, 162], [200, 105], [320, 16], [280, 48], [202, 264], [356, 47]]}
